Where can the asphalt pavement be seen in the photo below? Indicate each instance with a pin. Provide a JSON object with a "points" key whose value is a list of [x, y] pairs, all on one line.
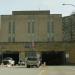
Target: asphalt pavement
{"points": [[42, 70]]}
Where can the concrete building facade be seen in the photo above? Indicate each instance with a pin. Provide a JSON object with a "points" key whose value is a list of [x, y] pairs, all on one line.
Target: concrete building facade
{"points": [[26, 30], [69, 28], [36, 27], [69, 35]]}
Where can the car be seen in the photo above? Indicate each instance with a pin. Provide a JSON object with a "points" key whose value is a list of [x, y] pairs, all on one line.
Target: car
{"points": [[8, 60], [33, 61]]}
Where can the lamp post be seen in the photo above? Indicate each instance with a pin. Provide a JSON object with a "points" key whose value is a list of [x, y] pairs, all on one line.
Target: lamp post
{"points": [[69, 4]]}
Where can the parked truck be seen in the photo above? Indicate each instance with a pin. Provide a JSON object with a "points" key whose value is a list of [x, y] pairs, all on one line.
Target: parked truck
{"points": [[33, 59]]}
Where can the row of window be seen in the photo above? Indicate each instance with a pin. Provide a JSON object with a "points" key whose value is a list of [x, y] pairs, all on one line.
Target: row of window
{"points": [[31, 27], [11, 39]]}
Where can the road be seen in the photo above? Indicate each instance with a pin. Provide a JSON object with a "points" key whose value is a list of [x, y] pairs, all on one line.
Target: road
{"points": [[48, 70]]}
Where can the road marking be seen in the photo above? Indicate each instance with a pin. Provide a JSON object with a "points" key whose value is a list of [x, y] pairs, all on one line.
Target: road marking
{"points": [[43, 72]]}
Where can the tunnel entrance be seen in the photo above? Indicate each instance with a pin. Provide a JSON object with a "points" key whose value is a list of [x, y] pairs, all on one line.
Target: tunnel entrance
{"points": [[14, 55], [53, 58]]}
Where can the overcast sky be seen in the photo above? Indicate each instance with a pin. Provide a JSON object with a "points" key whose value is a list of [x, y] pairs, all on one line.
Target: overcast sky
{"points": [[55, 6]]}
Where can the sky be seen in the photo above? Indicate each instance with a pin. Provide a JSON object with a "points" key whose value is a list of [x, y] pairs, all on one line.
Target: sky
{"points": [[55, 6]]}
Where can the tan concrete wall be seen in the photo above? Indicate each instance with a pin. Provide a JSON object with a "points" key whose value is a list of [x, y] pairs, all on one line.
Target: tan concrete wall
{"points": [[21, 26], [40, 47], [56, 20], [4, 28], [40, 28], [0, 22], [72, 56]]}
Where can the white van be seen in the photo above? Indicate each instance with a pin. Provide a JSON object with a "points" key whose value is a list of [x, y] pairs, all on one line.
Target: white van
{"points": [[34, 60]]}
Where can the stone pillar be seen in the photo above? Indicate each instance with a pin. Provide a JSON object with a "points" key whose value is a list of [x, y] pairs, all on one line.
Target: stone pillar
{"points": [[22, 56]]}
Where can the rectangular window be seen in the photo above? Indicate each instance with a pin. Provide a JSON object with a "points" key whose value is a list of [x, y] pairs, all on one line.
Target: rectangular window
{"points": [[14, 27], [48, 37], [9, 39], [13, 39], [32, 27], [9, 27], [29, 27], [52, 26], [52, 38], [48, 27]]}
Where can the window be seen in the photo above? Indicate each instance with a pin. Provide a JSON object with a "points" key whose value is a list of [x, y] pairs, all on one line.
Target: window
{"points": [[9, 39], [48, 27], [48, 37], [52, 38], [29, 27], [13, 27], [31, 24], [9, 27], [52, 27], [13, 39], [33, 27]]}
